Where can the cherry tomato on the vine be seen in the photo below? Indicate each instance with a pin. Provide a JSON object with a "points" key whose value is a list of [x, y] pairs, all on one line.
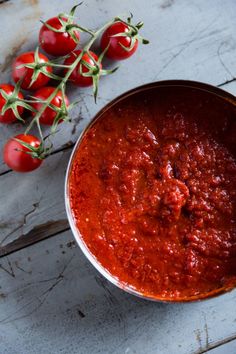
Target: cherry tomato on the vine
{"points": [[17, 156], [49, 114], [58, 43], [76, 77], [9, 115], [25, 74], [120, 47]]}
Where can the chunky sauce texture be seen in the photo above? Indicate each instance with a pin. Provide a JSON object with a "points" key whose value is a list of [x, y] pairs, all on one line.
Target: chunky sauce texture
{"points": [[152, 190]]}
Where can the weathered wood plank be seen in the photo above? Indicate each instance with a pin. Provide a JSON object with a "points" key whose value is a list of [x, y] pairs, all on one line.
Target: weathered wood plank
{"points": [[38, 233], [33, 206], [52, 300], [189, 40], [38, 212]]}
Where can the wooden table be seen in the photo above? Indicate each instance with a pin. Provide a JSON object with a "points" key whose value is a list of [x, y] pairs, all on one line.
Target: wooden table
{"points": [[51, 299]]}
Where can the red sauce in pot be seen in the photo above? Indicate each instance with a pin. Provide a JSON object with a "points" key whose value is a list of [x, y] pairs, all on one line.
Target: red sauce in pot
{"points": [[152, 190]]}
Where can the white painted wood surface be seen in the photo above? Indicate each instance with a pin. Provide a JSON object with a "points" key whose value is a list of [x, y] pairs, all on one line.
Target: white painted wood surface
{"points": [[54, 301], [42, 306]]}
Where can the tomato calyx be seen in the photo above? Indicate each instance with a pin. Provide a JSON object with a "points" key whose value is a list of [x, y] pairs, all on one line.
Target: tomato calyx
{"points": [[95, 70], [39, 68], [68, 25], [132, 32], [12, 101], [40, 152], [62, 112], [57, 110]]}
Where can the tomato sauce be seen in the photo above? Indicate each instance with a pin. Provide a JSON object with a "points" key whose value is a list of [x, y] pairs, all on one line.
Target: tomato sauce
{"points": [[152, 190]]}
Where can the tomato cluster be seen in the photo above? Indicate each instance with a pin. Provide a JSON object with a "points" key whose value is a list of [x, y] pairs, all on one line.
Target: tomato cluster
{"points": [[32, 71]]}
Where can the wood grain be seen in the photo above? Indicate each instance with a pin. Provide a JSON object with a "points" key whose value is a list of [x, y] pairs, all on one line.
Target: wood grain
{"points": [[38, 233]]}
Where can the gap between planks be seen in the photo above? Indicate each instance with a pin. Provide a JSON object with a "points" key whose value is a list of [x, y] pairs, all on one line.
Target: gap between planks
{"points": [[34, 236]]}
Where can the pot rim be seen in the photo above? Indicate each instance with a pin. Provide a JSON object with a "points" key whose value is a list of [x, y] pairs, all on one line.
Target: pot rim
{"points": [[76, 233]]}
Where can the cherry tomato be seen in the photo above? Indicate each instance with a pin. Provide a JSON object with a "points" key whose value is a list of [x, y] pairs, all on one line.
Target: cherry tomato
{"points": [[15, 154], [26, 73], [9, 116], [76, 76], [115, 50], [48, 116], [57, 43]]}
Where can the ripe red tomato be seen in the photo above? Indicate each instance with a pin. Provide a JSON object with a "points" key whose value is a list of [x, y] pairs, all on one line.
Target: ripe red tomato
{"points": [[115, 50], [57, 43], [76, 76], [49, 115], [15, 154], [26, 73], [9, 115]]}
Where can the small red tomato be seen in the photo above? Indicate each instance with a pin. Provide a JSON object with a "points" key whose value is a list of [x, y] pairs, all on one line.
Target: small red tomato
{"points": [[49, 114], [16, 155], [76, 76], [115, 50], [57, 43], [9, 115], [26, 73]]}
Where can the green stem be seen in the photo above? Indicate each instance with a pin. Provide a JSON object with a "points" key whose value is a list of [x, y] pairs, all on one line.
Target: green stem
{"points": [[74, 26], [64, 80], [40, 131], [30, 101], [57, 65]]}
